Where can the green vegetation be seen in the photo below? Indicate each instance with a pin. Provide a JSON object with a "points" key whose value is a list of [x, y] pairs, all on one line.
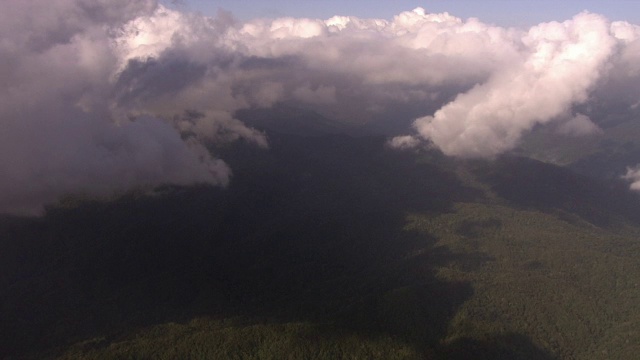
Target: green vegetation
{"points": [[209, 339], [570, 286], [332, 248]]}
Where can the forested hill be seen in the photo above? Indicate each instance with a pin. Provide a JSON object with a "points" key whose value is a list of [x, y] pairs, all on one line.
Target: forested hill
{"points": [[332, 247]]}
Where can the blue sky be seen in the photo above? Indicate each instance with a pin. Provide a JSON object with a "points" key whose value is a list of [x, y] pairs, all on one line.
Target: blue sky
{"points": [[518, 13]]}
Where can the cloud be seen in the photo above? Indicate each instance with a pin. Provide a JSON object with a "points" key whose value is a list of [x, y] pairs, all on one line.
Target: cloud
{"points": [[558, 66], [404, 142], [579, 125], [100, 96], [633, 176], [66, 126]]}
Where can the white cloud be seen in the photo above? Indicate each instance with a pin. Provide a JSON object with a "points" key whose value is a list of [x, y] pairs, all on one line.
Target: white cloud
{"points": [[61, 131], [633, 176], [559, 65], [74, 78]]}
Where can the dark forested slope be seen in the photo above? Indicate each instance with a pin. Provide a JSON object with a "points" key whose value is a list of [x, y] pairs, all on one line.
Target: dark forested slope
{"points": [[331, 247]]}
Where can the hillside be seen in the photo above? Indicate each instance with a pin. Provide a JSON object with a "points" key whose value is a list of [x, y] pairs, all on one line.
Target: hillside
{"points": [[332, 247], [605, 154]]}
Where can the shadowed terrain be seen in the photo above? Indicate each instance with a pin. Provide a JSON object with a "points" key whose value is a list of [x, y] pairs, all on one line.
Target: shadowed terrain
{"points": [[325, 247]]}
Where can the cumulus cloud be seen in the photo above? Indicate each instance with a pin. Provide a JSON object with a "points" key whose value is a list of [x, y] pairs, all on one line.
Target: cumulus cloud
{"points": [[633, 176], [99, 96], [68, 126], [557, 68]]}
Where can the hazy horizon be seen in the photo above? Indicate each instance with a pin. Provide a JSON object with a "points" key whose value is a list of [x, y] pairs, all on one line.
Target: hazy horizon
{"points": [[520, 14]]}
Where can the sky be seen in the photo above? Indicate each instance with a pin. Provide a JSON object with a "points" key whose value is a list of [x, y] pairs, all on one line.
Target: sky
{"points": [[517, 13], [98, 97]]}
